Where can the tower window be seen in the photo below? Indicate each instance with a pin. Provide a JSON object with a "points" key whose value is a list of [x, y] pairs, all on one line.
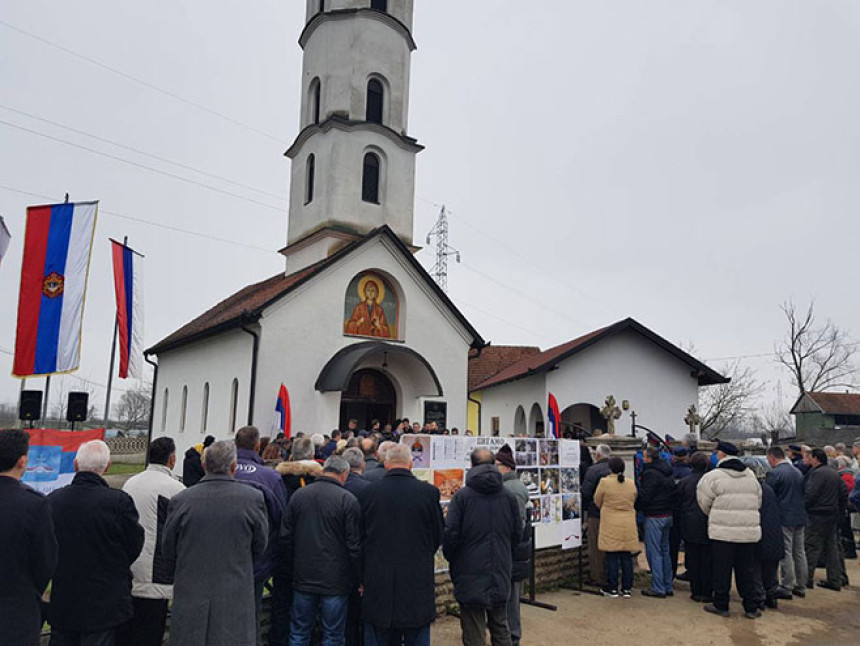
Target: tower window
{"points": [[322, 6], [381, 5], [370, 179], [316, 100], [309, 179], [375, 98]]}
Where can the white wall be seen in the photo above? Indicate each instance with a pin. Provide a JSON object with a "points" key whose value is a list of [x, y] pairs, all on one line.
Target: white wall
{"points": [[658, 386]]}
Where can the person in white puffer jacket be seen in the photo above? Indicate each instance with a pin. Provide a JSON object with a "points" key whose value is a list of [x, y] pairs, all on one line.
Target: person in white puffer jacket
{"points": [[152, 581], [730, 496]]}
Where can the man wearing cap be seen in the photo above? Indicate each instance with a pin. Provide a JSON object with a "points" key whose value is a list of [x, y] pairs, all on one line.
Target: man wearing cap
{"points": [[730, 496], [788, 485]]}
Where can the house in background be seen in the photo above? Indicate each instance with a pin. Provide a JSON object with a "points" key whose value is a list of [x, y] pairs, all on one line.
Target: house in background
{"points": [[827, 418]]}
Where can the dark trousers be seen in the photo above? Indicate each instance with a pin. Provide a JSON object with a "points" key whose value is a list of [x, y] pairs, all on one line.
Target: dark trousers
{"points": [[847, 536], [700, 567], [353, 619], [475, 621], [596, 558], [740, 558], [282, 599], [78, 638], [146, 627], [376, 636], [821, 542], [675, 542], [769, 578], [614, 562]]}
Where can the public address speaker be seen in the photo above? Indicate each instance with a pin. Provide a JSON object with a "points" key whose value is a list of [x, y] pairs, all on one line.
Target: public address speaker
{"points": [[76, 408], [30, 406]]}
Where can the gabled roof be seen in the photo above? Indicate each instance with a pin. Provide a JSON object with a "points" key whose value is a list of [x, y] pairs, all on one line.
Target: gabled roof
{"points": [[828, 403], [248, 304], [548, 359], [495, 358]]}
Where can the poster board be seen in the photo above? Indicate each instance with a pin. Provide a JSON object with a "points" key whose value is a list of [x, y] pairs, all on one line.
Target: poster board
{"points": [[50, 463]]}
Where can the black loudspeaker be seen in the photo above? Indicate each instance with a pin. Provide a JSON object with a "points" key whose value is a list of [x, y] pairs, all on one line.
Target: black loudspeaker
{"points": [[30, 406], [76, 409]]}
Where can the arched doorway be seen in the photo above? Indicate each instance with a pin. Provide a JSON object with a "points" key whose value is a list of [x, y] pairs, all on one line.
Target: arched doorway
{"points": [[369, 396], [583, 417], [536, 421], [520, 422]]}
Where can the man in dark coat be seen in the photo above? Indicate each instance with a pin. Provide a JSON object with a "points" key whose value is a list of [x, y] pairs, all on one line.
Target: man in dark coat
{"points": [[770, 549], [321, 548], [789, 486], [657, 501], [596, 472], [694, 531], [99, 537], [481, 530], [28, 549], [192, 465], [826, 500], [355, 483], [402, 528]]}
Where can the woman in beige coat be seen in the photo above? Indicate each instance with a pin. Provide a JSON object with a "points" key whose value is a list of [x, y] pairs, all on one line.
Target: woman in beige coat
{"points": [[616, 497]]}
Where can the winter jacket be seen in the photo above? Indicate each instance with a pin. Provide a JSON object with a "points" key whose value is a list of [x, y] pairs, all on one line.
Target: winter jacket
{"points": [[771, 547], [730, 495], [321, 539], [596, 472], [249, 466], [658, 493], [681, 470], [617, 502], [298, 474], [826, 494], [402, 527], [482, 527], [522, 553], [848, 478], [99, 537], [355, 483], [788, 484], [373, 470], [192, 467], [151, 492], [28, 557], [854, 497], [694, 523]]}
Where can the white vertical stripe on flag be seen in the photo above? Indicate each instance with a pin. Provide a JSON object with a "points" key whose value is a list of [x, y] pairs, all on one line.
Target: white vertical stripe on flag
{"points": [[135, 343], [5, 237], [75, 285]]}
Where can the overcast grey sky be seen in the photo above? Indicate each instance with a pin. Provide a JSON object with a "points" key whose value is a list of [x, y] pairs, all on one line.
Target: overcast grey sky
{"points": [[688, 163]]}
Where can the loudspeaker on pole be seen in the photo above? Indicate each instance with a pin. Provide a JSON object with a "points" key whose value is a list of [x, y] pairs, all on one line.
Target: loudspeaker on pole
{"points": [[30, 405], [76, 408]]}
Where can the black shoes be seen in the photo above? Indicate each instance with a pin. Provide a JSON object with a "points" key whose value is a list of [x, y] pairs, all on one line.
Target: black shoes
{"points": [[784, 594], [829, 586], [772, 603], [653, 593], [612, 594], [625, 594], [754, 614], [683, 576], [799, 592], [716, 611]]}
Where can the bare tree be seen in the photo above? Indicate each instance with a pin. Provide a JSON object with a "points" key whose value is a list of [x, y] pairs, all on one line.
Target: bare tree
{"points": [[774, 421], [727, 406], [134, 406], [819, 357]]}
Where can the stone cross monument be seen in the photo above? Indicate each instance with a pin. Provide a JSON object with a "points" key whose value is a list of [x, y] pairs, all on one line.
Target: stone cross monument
{"points": [[610, 413], [692, 419]]}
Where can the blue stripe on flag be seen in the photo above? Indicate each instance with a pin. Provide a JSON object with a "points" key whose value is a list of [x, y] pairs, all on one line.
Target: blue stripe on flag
{"points": [[128, 274], [51, 310]]}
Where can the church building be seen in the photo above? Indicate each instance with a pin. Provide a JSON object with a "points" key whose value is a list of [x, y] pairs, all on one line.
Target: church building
{"points": [[354, 327]]}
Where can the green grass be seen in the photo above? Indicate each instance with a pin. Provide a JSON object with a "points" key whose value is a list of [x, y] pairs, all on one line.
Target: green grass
{"points": [[118, 468]]}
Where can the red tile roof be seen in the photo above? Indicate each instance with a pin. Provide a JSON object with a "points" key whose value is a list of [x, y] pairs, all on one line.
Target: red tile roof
{"points": [[495, 358], [837, 403]]}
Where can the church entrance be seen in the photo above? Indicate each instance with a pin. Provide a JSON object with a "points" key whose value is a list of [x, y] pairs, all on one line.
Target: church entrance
{"points": [[369, 396]]}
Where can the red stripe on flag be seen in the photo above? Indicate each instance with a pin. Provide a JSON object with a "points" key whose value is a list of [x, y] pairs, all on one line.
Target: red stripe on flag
{"points": [[121, 308], [30, 294], [68, 440]]}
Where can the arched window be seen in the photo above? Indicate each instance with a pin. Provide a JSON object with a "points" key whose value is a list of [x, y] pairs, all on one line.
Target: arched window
{"points": [[370, 179], [322, 6], [204, 414], [183, 411], [375, 100], [234, 404], [381, 5], [164, 410], [315, 101], [309, 179]]}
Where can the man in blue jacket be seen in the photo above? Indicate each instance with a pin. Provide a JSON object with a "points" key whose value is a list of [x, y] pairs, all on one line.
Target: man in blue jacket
{"points": [[788, 484]]}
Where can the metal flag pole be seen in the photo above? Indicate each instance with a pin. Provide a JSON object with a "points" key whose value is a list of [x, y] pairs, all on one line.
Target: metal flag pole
{"points": [[45, 402], [112, 358]]}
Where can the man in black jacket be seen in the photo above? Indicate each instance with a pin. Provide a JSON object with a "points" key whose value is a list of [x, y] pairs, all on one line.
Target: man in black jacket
{"points": [[321, 548], [28, 549], [657, 501], [694, 531], [826, 499], [402, 528], [99, 538], [596, 472], [482, 528]]}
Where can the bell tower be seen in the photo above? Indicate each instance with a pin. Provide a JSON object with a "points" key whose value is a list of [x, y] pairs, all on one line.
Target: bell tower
{"points": [[353, 163]]}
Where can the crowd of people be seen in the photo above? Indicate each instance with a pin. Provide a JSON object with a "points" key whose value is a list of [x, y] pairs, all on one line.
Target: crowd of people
{"points": [[343, 537], [771, 533]]}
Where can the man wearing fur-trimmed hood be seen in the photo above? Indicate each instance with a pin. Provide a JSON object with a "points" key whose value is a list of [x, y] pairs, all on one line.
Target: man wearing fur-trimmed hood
{"points": [[301, 469]]}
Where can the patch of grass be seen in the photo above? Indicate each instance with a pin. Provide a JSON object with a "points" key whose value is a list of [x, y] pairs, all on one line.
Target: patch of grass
{"points": [[118, 468]]}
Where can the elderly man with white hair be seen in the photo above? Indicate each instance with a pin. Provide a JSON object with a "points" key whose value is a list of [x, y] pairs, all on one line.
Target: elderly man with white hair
{"points": [[99, 537], [372, 475]]}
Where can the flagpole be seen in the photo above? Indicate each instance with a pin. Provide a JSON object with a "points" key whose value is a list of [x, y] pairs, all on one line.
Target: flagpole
{"points": [[45, 403], [112, 358]]}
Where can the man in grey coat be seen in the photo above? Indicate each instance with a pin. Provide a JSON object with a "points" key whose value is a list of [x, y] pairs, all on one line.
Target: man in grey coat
{"points": [[213, 533]]}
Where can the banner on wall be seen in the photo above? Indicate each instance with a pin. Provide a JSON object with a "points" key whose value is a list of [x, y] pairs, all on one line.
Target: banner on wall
{"points": [[50, 463]]}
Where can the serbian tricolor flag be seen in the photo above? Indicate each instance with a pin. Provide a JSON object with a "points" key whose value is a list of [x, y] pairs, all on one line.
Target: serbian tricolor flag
{"points": [[5, 237], [51, 461], [283, 416], [54, 271], [128, 284], [554, 417]]}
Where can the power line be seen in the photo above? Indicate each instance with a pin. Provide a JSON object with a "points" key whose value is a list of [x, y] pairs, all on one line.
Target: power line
{"points": [[139, 165], [141, 152], [140, 81], [150, 223]]}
